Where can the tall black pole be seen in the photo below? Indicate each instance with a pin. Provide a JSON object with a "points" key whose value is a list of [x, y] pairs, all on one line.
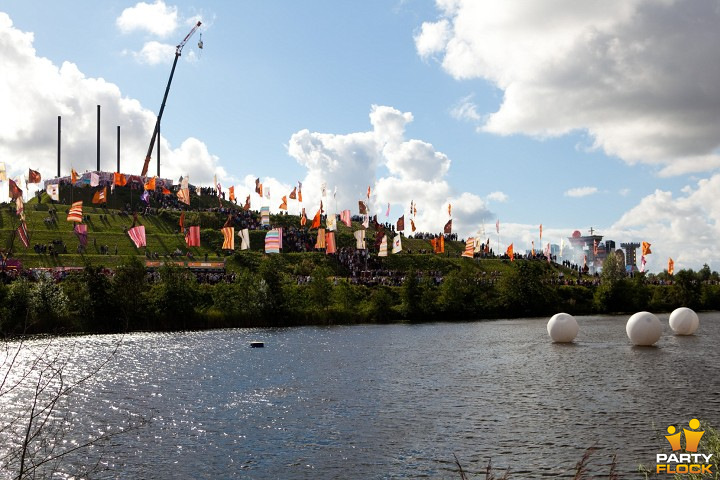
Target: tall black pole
{"points": [[158, 147], [59, 122], [98, 138], [118, 149]]}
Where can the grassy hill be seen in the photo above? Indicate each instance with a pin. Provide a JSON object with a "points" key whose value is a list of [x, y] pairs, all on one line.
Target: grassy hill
{"points": [[107, 227]]}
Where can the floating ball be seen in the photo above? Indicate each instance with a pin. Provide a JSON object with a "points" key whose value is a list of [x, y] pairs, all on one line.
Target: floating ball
{"points": [[562, 327], [684, 321], [644, 329]]}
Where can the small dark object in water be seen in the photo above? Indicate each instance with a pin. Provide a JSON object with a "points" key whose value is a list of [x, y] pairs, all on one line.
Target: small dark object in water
{"points": [[257, 344]]}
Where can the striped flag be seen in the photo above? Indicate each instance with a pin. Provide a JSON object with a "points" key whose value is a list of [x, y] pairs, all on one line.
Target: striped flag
{"points": [[184, 195], [383, 247], [75, 213], [345, 217], [320, 242], [137, 235], [330, 243], [272, 241], [265, 215], [397, 244], [23, 234], [192, 237], [469, 248], [244, 235], [81, 232], [100, 196], [360, 239], [228, 238]]}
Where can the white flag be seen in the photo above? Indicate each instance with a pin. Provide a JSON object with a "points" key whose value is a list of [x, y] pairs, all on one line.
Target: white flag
{"points": [[397, 244], [94, 179], [244, 239], [53, 191]]}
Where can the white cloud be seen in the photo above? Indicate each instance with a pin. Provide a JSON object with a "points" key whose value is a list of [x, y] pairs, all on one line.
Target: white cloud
{"points": [[499, 197], [35, 92], [154, 53], [155, 18], [581, 191], [465, 110], [416, 173], [609, 68]]}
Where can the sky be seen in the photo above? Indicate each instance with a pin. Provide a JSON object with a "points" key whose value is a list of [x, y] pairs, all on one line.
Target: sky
{"points": [[573, 115]]}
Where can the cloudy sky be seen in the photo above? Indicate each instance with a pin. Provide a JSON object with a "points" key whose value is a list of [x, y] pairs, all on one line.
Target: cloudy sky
{"points": [[562, 113]]}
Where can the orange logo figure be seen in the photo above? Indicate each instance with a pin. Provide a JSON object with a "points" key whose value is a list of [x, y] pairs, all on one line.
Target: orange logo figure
{"points": [[673, 438], [692, 437]]}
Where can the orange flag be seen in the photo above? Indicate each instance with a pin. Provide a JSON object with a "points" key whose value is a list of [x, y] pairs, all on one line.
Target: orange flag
{"points": [[33, 176], [150, 184], [232, 193], [293, 194], [671, 266], [247, 203], [283, 205], [182, 221], [303, 218], [316, 220], [449, 210], [73, 175], [509, 253], [119, 179], [646, 248], [165, 191], [100, 196]]}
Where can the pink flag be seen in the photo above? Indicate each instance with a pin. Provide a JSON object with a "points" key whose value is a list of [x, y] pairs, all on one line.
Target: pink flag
{"points": [[387, 214], [345, 217], [137, 235]]}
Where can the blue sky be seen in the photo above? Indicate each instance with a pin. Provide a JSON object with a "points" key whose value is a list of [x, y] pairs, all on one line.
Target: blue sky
{"points": [[563, 114]]}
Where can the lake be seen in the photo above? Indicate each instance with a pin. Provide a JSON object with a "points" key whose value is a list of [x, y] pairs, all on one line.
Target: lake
{"points": [[383, 401]]}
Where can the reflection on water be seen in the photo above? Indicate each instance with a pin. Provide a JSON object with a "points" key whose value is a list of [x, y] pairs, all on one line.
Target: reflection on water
{"points": [[393, 401]]}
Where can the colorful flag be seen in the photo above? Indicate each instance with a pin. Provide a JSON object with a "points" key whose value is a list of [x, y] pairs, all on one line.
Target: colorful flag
{"points": [[303, 217], [119, 179], [299, 192], [23, 234], [246, 207], [448, 227], [368, 192], [272, 241], [366, 221], [150, 184], [265, 216], [595, 247], [671, 266], [137, 235], [316, 221], [145, 197], [165, 191], [100, 196], [283, 205], [244, 235], [532, 251], [449, 210], [642, 263], [75, 213], [33, 176], [3, 172], [646, 248], [345, 217], [229, 221], [53, 191], [412, 225], [360, 239], [382, 251], [541, 232], [232, 193], [94, 179], [73, 176], [184, 195], [387, 212], [469, 248], [15, 191], [81, 232], [441, 245], [320, 242], [293, 194], [331, 222], [323, 189], [258, 187], [267, 193], [182, 221], [362, 206], [497, 226], [192, 237], [228, 238], [185, 181], [330, 243], [397, 244], [401, 224], [510, 253], [280, 236]]}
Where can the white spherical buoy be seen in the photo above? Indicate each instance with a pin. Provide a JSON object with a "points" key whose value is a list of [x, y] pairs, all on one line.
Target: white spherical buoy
{"points": [[562, 328], [684, 321], [644, 329]]}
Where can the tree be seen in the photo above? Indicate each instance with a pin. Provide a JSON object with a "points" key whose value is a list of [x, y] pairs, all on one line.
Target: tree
{"points": [[173, 297], [686, 289], [321, 288], [128, 290], [524, 292], [410, 295]]}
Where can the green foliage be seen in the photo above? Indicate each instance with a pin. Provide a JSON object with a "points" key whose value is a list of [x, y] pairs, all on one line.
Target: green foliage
{"points": [[48, 305], [410, 296], [523, 291], [173, 298], [321, 288], [686, 289], [381, 304]]}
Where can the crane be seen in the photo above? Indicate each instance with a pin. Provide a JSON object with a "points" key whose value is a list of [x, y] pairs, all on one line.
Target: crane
{"points": [[178, 52]]}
